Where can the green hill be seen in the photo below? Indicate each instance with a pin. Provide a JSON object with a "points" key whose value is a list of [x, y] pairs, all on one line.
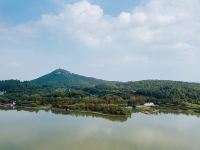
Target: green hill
{"points": [[63, 78], [165, 89]]}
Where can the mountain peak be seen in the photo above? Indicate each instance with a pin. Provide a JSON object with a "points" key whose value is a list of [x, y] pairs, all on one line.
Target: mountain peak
{"points": [[61, 71], [64, 78]]}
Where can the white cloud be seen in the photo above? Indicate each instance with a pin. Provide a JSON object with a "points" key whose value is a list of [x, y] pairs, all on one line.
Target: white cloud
{"points": [[158, 32], [181, 45], [157, 21], [139, 17], [82, 21]]}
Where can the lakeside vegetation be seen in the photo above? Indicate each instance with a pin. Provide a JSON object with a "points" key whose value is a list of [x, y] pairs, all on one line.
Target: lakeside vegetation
{"points": [[114, 98]]}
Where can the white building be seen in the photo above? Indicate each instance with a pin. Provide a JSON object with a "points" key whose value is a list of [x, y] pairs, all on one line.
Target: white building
{"points": [[149, 104], [13, 104]]}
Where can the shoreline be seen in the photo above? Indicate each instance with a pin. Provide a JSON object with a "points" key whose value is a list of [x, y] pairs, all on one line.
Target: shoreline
{"points": [[50, 108], [93, 112], [145, 110]]}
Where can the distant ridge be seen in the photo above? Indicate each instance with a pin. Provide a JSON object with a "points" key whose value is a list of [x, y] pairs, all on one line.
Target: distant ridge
{"points": [[160, 90], [64, 78]]}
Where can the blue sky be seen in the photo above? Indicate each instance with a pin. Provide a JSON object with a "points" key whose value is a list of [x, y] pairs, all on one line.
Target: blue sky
{"points": [[19, 11], [112, 40]]}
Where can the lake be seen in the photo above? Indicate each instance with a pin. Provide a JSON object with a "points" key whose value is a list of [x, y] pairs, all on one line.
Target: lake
{"points": [[25, 130]]}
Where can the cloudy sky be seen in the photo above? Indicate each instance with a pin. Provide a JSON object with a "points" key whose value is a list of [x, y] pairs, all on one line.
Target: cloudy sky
{"points": [[113, 40]]}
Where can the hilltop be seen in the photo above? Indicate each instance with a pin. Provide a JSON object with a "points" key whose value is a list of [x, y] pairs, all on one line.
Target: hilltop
{"points": [[63, 78]]}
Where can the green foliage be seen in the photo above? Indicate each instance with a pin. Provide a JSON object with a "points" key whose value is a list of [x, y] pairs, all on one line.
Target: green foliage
{"points": [[106, 109], [168, 91], [64, 79], [62, 88]]}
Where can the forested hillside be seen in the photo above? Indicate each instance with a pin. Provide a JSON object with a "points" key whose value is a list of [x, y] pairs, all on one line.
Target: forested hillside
{"points": [[65, 90], [65, 79], [169, 90]]}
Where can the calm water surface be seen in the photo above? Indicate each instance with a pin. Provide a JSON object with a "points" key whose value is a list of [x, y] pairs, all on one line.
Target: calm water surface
{"points": [[23, 130]]}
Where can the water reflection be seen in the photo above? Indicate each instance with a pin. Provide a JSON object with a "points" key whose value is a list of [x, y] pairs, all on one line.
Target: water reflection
{"points": [[74, 113], [113, 118], [33, 129], [93, 115]]}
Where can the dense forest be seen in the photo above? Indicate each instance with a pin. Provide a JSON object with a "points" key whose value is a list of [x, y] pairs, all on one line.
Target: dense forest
{"points": [[90, 94], [167, 90]]}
